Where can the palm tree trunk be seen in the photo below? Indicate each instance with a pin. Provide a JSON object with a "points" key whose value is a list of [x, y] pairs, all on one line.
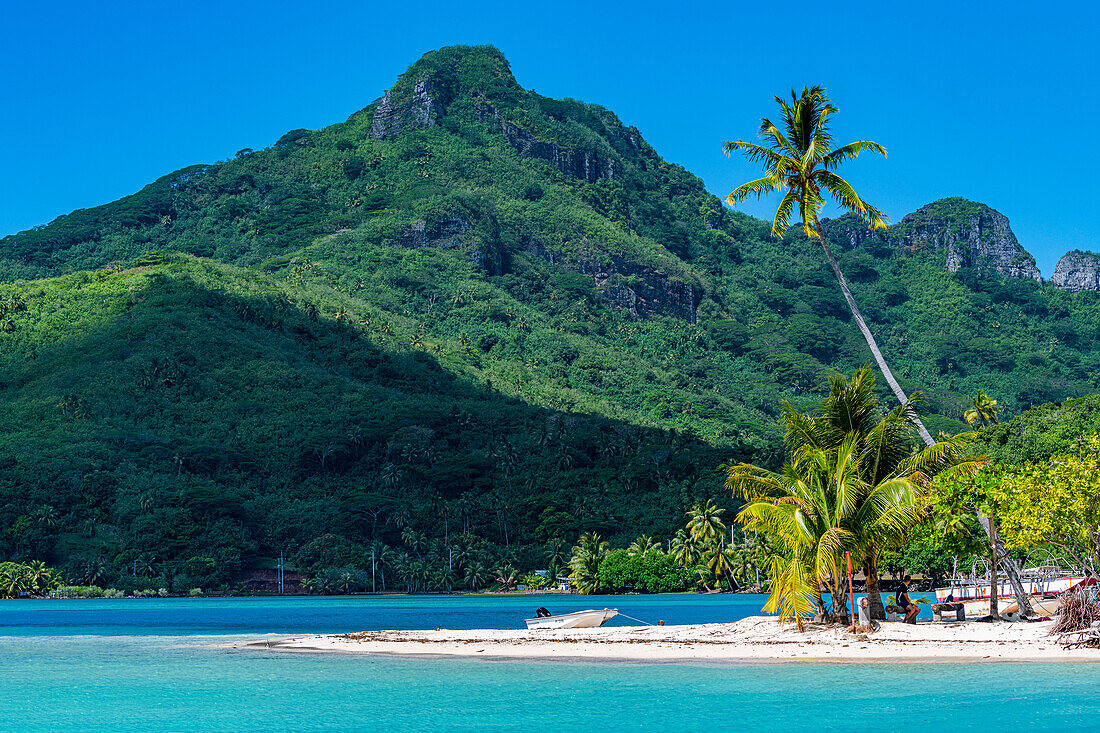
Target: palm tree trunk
{"points": [[1010, 565], [840, 601], [874, 592], [868, 336]]}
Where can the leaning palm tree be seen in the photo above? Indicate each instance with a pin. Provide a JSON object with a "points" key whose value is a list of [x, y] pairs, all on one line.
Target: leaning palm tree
{"points": [[800, 160]]}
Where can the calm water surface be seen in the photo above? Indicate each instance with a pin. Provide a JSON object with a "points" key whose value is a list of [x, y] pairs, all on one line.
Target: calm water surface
{"points": [[168, 665], [176, 616]]}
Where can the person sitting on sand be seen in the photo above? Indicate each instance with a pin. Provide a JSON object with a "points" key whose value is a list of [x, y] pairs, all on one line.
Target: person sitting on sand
{"points": [[912, 610]]}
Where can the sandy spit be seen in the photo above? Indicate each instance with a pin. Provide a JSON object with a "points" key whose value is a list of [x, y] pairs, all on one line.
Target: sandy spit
{"points": [[754, 639]]}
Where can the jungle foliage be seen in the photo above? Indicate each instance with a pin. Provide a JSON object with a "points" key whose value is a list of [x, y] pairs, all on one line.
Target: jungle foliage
{"points": [[262, 355]]}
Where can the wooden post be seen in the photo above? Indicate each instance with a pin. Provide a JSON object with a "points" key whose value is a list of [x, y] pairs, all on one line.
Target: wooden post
{"points": [[851, 596]]}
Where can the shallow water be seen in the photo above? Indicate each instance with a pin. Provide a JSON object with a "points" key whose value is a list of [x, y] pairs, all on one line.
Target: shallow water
{"points": [[167, 665], [293, 615]]}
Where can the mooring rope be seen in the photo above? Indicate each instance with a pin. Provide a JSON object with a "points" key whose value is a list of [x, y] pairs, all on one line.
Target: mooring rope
{"points": [[643, 623]]}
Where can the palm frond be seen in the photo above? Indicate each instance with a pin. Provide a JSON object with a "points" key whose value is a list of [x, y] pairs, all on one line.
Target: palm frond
{"points": [[847, 197], [809, 206], [851, 151], [757, 188], [769, 132], [759, 154], [783, 214], [749, 481]]}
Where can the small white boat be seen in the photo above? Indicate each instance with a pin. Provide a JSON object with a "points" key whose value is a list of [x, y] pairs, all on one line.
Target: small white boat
{"points": [[589, 619]]}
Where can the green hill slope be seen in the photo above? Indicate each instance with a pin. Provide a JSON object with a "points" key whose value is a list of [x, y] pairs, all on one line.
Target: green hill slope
{"points": [[468, 308], [188, 412]]}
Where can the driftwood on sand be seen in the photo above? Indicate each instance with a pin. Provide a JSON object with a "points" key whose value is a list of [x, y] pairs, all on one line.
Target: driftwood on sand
{"points": [[1078, 622]]}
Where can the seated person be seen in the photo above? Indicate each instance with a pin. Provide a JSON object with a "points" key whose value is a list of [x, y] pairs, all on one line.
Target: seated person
{"points": [[912, 610]]}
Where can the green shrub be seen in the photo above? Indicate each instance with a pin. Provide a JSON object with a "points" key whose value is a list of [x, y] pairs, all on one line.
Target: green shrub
{"points": [[654, 572]]}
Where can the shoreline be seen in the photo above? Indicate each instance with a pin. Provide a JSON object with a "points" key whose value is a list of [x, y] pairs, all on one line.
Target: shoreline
{"points": [[757, 639]]}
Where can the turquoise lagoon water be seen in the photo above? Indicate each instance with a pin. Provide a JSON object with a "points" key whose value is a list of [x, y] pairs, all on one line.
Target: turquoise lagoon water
{"points": [[171, 665]]}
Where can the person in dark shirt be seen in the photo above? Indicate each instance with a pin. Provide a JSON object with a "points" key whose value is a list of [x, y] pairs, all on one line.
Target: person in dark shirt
{"points": [[912, 610]]}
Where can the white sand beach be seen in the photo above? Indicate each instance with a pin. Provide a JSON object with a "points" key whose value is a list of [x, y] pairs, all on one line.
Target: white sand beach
{"points": [[758, 638]]}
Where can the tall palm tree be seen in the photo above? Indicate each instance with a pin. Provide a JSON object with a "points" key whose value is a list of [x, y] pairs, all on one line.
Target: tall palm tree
{"points": [[799, 161], [478, 575], [819, 507], [851, 407]]}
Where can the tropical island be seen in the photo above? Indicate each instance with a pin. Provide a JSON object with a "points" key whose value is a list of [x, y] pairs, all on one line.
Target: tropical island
{"points": [[475, 338]]}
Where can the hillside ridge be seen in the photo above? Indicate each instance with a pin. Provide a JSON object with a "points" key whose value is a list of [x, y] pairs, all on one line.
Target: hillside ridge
{"points": [[468, 311]]}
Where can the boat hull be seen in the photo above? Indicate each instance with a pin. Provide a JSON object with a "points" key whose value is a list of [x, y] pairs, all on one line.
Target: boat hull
{"points": [[980, 591], [589, 619]]}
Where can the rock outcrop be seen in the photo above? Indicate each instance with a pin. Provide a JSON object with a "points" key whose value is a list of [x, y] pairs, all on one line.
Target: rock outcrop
{"points": [[453, 233], [394, 114], [445, 233], [588, 165], [641, 291], [972, 235], [1077, 271]]}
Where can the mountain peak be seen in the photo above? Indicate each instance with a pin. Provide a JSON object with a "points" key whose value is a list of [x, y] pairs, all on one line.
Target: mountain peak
{"points": [[461, 70], [974, 235], [429, 86], [1077, 271]]}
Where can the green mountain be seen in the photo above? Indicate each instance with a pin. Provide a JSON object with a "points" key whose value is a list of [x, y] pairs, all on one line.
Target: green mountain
{"points": [[468, 317]]}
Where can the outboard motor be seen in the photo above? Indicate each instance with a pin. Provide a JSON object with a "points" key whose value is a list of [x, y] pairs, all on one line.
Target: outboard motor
{"points": [[543, 613]]}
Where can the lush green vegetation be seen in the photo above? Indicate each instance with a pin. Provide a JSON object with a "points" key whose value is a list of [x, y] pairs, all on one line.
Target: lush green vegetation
{"points": [[700, 556], [1040, 488], [1036, 474], [853, 486], [651, 572], [27, 579], [260, 355]]}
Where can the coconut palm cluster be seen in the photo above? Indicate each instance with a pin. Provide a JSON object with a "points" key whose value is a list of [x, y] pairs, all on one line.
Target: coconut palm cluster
{"points": [[854, 485], [704, 550], [27, 579]]}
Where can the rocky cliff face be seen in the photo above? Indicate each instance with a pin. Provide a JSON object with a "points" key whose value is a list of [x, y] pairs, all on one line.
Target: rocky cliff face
{"points": [[1077, 271], [454, 233], [641, 291], [971, 234], [588, 165], [395, 115]]}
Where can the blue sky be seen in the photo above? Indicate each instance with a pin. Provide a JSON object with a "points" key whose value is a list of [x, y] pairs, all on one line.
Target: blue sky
{"points": [[971, 99]]}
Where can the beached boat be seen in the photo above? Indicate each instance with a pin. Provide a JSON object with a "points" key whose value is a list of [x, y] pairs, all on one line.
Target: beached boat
{"points": [[1043, 584], [589, 619]]}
